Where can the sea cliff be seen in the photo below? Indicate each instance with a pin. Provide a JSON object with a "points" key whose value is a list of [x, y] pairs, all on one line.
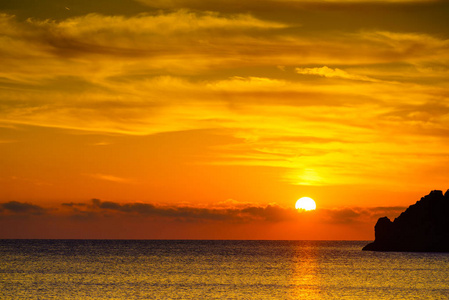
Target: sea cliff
{"points": [[422, 227]]}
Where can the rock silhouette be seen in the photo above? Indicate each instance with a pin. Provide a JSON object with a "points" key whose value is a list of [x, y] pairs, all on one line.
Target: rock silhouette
{"points": [[422, 227]]}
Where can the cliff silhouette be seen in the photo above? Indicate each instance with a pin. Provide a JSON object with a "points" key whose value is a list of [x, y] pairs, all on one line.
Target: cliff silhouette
{"points": [[422, 227]]}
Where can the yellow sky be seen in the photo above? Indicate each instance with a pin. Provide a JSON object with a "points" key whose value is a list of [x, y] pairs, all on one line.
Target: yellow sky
{"points": [[218, 111]]}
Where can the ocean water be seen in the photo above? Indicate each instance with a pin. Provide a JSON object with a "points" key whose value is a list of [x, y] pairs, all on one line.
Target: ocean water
{"points": [[106, 269]]}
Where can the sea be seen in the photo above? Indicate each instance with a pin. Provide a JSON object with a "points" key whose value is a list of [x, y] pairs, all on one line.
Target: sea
{"points": [[200, 269]]}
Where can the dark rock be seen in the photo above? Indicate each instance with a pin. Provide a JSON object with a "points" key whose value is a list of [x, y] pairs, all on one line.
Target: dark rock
{"points": [[423, 227]]}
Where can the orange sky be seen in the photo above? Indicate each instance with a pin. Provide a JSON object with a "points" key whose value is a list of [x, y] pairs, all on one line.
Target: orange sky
{"points": [[209, 119]]}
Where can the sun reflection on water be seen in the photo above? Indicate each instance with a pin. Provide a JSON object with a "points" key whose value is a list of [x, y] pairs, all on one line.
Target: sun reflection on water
{"points": [[305, 280]]}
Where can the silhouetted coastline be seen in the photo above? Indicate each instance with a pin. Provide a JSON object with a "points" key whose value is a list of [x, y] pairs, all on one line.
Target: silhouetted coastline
{"points": [[422, 227]]}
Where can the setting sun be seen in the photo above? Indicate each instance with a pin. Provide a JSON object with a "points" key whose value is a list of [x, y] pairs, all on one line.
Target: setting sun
{"points": [[305, 203]]}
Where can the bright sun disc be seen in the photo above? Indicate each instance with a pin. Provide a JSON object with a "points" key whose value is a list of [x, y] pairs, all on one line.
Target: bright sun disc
{"points": [[305, 203]]}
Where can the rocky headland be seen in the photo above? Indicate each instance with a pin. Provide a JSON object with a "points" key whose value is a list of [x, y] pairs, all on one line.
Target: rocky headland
{"points": [[422, 227]]}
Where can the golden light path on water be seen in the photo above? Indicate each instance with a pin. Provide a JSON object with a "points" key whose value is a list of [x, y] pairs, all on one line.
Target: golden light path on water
{"points": [[305, 272]]}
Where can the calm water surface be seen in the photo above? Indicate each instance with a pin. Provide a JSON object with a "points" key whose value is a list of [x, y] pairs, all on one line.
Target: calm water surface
{"points": [[88, 269]]}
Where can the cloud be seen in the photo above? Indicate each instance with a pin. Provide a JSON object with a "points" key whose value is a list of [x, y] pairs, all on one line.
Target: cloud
{"points": [[264, 4], [111, 178], [333, 73], [230, 220], [138, 36], [73, 204], [234, 212], [22, 208], [269, 213], [352, 215], [416, 48], [229, 211]]}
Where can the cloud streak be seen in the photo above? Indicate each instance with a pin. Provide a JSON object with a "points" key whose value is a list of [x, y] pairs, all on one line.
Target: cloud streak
{"points": [[21, 208], [111, 178], [333, 73], [231, 212], [235, 214]]}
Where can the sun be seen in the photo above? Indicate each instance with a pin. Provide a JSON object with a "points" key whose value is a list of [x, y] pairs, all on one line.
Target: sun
{"points": [[305, 203]]}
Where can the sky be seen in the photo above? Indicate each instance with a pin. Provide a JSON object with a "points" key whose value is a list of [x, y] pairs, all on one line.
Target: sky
{"points": [[191, 119]]}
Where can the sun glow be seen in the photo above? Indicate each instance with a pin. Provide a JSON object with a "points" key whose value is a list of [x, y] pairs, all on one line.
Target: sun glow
{"points": [[305, 203]]}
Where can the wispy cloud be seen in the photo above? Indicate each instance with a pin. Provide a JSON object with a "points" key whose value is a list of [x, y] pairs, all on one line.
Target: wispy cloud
{"points": [[333, 73], [111, 178]]}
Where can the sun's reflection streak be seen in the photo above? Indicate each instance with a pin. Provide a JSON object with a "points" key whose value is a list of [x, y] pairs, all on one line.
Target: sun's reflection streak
{"points": [[305, 280]]}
